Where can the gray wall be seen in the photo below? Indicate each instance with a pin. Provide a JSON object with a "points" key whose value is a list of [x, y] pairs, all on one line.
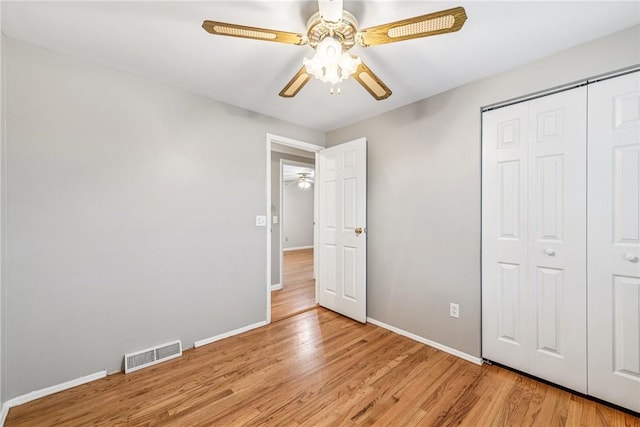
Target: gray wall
{"points": [[424, 192], [297, 216], [130, 217], [275, 209]]}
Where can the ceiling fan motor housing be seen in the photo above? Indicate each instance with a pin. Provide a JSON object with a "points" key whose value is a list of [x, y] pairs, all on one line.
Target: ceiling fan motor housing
{"points": [[344, 31]]}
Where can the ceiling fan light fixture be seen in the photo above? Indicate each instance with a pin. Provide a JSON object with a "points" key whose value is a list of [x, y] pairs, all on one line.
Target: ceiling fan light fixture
{"points": [[304, 184], [330, 64]]}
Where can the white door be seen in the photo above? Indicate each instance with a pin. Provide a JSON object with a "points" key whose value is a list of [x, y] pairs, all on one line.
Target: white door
{"points": [[341, 182], [504, 236], [614, 240], [557, 276], [534, 237]]}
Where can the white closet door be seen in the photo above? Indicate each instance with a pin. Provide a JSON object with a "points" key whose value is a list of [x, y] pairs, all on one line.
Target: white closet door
{"points": [[557, 241], [504, 236], [614, 240], [534, 237]]}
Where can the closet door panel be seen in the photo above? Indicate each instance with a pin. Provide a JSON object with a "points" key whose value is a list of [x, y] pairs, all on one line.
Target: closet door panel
{"points": [[504, 231], [557, 238], [614, 240]]}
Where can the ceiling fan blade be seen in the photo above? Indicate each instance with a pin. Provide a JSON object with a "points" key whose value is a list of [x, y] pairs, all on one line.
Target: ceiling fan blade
{"points": [[371, 82], [330, 10], [296, 83], [233, 30], [445, 21]]}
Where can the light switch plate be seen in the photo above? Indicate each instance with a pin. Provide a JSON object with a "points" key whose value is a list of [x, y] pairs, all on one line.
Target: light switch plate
{"points": [[454, 310], [275, 219], [261, 220]]}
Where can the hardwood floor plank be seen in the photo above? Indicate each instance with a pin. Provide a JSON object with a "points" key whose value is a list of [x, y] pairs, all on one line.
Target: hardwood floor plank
{"points": [[518, 401], [486, 410], [316, 369], [298, 291], [451, 408], [574, 414], [420, 386]]}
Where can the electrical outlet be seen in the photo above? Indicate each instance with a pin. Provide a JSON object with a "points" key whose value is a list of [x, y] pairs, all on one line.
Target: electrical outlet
{"points": [[454, 310]]}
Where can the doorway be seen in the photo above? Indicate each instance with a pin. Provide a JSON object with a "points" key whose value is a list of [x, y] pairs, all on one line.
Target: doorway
{"points": [[291, 264], [339, 224], [296, 292]]}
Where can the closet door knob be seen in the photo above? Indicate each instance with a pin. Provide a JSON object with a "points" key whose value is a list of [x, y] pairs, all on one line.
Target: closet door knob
{"points": [[550, 252], [631, 258]]}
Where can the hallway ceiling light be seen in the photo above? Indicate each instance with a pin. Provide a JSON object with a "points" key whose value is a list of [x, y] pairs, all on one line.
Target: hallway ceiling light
{"points": [[304, 181]]}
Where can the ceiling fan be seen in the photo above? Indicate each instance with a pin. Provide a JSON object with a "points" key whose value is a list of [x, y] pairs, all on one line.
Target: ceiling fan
{"points": [[304, 181], [332, 32]]}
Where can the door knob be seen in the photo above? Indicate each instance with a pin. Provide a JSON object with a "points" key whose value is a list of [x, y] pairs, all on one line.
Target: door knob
{"points": [[550, 252], [631, 258], [358, 231]]}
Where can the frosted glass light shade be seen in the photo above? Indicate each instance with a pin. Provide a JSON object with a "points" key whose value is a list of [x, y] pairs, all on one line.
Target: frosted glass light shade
{"points": [[330, 64], [304, 184]]}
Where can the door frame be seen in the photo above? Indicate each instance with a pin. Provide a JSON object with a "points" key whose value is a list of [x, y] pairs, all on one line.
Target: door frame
{"points": [[300, 145]]}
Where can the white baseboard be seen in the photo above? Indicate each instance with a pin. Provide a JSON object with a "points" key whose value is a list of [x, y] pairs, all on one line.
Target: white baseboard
{"points": [[4, 413], [25, 398], [453, 351], [297, 248], [276, 287], [228, 334]]}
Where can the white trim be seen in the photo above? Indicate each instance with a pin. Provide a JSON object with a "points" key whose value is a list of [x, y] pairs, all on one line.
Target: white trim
{"points": [[284, 149], [228, 334], [25, 398], [276, 287], [281, 227], [293, 143], [316, 209], [3, 180], [453, 351], [4, 413], [297, 248], [269, 228]]}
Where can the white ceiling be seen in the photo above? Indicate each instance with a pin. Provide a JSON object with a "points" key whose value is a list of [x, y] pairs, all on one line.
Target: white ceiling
{"points": [[163, 41]]}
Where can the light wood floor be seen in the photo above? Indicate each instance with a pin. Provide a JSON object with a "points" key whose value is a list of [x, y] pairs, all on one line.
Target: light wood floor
{"points": [[317, 369], [299, 289]]}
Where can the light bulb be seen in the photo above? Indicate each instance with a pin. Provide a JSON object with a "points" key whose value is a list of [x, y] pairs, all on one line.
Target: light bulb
{"points": [[329, 50], [304, 184], [329, 64]]}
